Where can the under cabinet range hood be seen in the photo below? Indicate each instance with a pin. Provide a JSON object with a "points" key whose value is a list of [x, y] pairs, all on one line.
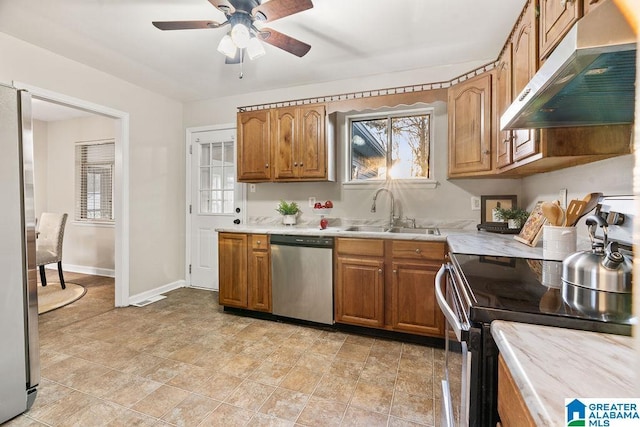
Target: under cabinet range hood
{"points": [[589, 79]]}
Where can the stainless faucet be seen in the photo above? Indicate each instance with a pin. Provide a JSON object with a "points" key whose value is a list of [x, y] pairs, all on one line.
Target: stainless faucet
{"points": [[392, 212]]}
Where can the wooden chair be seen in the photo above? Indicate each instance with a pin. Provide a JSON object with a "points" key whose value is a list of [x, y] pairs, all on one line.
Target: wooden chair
{"points": [[49, 243]]}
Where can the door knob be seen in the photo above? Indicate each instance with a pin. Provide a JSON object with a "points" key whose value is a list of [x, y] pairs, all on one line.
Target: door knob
{"points": [[237, 210]]}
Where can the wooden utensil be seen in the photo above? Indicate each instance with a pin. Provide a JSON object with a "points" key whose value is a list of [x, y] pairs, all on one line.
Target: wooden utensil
{"points": [[553, 213], [591, 201], [574, 210]]}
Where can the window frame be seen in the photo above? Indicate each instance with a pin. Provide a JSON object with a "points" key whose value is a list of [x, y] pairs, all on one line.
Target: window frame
{"points": [[82, 168], [422, 182]]}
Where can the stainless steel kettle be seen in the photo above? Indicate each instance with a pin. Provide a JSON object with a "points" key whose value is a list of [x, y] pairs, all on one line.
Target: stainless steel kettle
{"points": [[598, 282]]}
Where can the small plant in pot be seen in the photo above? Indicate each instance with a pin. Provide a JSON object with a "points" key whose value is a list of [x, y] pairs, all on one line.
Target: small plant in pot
{"points": [[515, 217], [289, 212]]}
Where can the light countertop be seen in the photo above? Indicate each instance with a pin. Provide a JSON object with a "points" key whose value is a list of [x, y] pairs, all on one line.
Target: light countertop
{"points": [[459, 240], [550, 364]]}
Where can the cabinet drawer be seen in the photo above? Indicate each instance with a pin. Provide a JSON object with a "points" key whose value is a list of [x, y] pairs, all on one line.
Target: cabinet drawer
{"points": [[360, 247], [412, 249], [259, 242]]}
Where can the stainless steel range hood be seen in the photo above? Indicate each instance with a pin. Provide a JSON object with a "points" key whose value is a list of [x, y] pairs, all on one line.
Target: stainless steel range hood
{"points": [[589, 79]]}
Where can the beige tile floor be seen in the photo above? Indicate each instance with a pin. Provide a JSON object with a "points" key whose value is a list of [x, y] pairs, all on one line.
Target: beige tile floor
{"points": [[182, 361]]}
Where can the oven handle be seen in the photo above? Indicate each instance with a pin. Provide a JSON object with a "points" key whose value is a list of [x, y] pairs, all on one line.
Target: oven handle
{"points": [[449, 314]]}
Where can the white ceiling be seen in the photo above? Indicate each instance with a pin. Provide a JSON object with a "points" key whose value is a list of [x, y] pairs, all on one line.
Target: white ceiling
{"points": [[349, 39]]}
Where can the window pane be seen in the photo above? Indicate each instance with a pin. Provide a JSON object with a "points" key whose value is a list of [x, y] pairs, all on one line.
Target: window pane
{"points": [[410, 142], [205, 178], [216, 154], [369, 149], [205, 206], [228, 153], [229, 178], [205, 154], [228, 201]]}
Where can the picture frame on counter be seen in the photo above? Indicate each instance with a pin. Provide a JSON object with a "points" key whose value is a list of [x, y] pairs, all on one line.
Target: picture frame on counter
{"points": [[489, 203]]}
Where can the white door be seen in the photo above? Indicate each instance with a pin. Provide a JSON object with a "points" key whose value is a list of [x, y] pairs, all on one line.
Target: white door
{"points": [[216, 201]]}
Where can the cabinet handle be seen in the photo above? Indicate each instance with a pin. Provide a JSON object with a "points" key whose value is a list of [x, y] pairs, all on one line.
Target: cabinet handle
{"points": [[380, 270], [259, 242], [266, 165], [486, 152], [395, 271], [300, 164], [418, 250], [295, 163]]}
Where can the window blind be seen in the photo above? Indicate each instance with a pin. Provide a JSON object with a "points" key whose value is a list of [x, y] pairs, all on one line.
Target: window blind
{"points": [[95, 163]]}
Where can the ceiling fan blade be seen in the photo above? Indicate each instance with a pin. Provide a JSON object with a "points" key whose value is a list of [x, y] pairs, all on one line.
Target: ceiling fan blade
{"points": [[186, 25], [223, 6], [276, 9], [283, 41]]}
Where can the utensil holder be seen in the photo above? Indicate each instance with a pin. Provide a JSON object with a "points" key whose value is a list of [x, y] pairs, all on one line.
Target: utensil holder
{"points": [[558, 242]]}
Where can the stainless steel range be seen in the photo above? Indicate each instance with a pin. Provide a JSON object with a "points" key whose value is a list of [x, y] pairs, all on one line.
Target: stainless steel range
{"points": [[474, 290]]}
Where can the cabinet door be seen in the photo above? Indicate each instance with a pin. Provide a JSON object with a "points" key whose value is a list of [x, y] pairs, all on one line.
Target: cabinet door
{"points": [[283, 138], [414, 308], [254, 149], [232, 259], [312, 143], [470, 125], [360, 291], [503, 100], [556, 18], [525, 65], [259, 279]]}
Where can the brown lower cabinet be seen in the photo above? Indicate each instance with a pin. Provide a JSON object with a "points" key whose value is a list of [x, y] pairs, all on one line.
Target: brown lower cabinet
{"points": [[511, 407], [244, 271], [389, 284]]}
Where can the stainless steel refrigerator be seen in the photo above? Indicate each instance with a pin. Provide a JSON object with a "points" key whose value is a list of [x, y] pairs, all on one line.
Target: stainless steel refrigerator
{"points": [[19, 349]]}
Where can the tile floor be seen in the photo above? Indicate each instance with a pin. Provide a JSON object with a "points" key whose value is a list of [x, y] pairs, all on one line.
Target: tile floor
{"points": [[182, 361]]}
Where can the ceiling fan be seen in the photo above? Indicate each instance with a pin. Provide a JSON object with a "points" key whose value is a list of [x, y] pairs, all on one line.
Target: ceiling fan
{"points": [[246, 18]]}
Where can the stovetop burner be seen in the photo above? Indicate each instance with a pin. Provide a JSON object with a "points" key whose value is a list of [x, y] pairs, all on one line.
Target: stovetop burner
{"points": [[524, 290]]}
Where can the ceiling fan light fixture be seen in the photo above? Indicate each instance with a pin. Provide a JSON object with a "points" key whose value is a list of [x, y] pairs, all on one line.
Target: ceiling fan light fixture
{"points": [[240, 35], [255, 49], [227, 47]]}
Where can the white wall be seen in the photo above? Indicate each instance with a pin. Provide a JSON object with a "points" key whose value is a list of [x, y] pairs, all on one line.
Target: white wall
{"points": [[156, 155], [41, 166], [87, 248]]}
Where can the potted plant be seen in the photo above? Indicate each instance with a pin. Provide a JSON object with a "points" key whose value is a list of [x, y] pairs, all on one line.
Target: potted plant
{"points": [[515, 217], [289, 212]]}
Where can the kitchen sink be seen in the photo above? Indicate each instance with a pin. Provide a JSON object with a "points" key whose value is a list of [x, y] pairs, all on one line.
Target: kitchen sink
{"points": [[404, 230], [367, 228], [431, 230]]}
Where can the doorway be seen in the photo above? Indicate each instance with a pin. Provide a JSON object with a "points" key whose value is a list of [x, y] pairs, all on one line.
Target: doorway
{"points": [[121, 188], [214, 199]]}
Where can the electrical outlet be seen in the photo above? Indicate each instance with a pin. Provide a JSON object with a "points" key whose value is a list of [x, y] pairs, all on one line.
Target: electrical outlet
{"points": [[563, 197], [312, 201], [252, 188], [475, 203]]}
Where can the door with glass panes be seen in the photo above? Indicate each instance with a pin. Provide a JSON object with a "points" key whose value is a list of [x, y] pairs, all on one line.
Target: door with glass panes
{"points": [[216, 201]]}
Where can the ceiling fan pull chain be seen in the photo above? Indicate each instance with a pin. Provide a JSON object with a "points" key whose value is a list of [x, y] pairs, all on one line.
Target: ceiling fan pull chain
{"points": [[241, 63]]}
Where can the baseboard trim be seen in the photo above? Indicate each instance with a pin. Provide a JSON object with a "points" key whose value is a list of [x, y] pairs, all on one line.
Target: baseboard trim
{"points": [[94, 271], [137, 298]]}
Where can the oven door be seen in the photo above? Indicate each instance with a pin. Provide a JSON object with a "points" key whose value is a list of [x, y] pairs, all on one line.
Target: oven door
{"points": [[458, 381]]}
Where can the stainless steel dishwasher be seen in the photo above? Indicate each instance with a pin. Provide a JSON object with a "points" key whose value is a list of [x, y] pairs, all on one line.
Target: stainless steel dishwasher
{"points": [[302, 277]]}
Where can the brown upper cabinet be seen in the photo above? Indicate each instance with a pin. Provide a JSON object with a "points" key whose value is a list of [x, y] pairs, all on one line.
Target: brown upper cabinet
{"points": [[470, 118], [299, 143], [254, 146], [284, 144], [556, 19], [520, 152]]}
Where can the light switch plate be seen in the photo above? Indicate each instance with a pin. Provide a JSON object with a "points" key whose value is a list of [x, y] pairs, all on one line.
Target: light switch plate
{"points": [[312, 201], [475, 203]]}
